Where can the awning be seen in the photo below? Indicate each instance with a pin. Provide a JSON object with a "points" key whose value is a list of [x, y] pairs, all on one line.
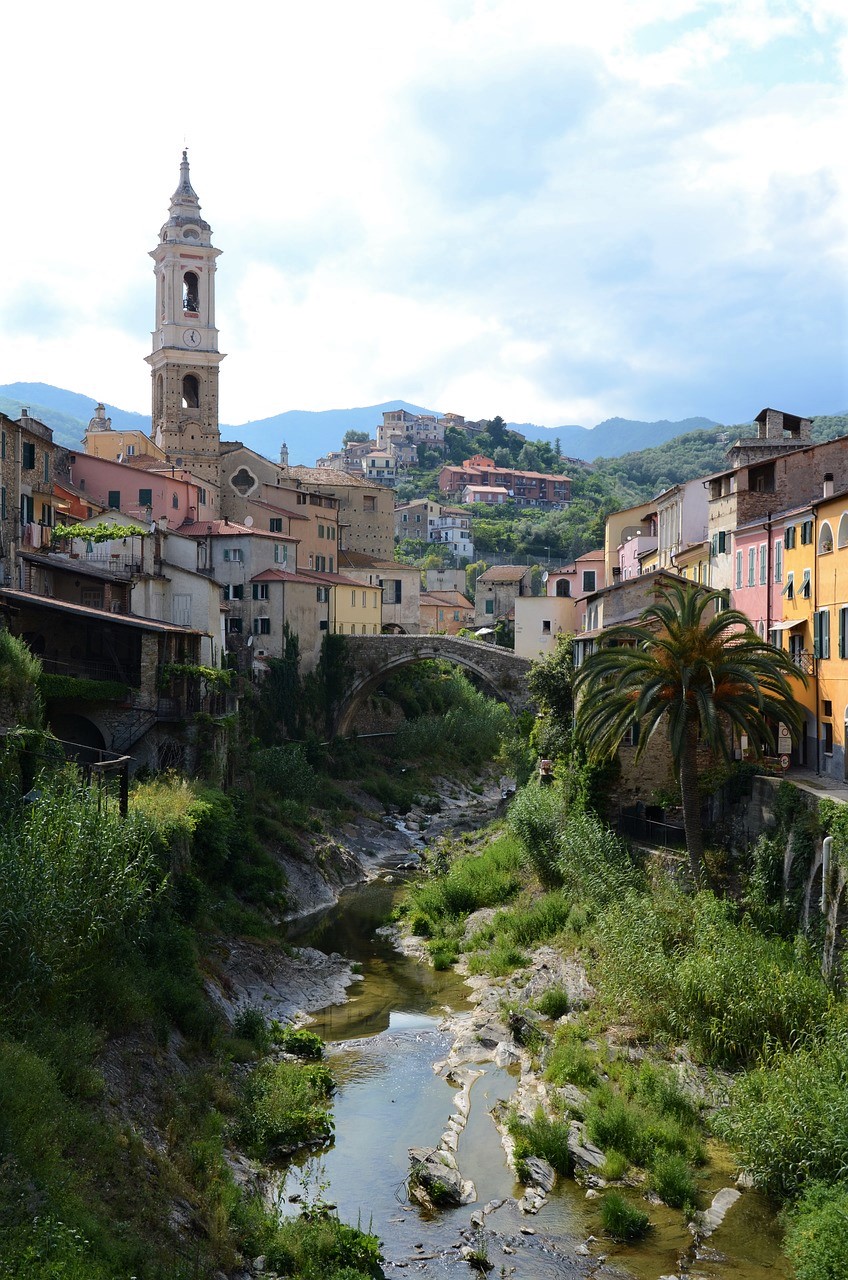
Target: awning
{"points": [[787, 626]]}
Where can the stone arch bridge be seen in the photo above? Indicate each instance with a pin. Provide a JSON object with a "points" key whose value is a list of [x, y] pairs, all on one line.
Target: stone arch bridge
{"points": [[501, 673]]}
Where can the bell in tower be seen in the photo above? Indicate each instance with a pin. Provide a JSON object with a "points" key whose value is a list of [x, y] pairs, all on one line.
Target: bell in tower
{"points": [[185, 358]]}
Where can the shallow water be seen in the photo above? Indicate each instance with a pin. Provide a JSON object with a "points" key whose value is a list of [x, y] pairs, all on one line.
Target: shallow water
{"points": [[384, 1041]]}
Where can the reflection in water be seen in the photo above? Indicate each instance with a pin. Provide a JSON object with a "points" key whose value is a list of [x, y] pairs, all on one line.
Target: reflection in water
{"points": [[389, 1099]]}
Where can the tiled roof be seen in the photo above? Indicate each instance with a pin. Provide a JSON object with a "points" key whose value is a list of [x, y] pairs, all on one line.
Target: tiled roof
{"points": [[227, 528], [99, 615], [306, 576], [504, 573]]}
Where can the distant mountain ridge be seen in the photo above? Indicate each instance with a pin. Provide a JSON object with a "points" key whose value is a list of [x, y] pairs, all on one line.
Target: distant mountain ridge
{"points": [[311, 433]]}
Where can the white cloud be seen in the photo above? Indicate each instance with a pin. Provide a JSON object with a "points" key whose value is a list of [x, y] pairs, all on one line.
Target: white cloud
{"points": [[556, 211]]}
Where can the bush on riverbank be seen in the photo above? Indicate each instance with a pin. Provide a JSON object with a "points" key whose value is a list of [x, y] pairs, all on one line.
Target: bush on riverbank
{"points": [[817, 1233], [787, 1119], [284, 1105], [705, 974], [436, 905], [320, 1247]]}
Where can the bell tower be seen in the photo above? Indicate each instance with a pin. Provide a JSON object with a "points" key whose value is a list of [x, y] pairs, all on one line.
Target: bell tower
{"points": [[185, 357]]}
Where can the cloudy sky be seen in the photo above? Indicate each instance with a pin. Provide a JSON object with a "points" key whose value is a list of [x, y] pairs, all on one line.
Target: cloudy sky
{"points": [[547, 209]]}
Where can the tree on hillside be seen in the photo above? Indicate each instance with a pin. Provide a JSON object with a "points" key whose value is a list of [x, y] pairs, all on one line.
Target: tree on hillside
{"points": [[355, 437], [699, 671]]}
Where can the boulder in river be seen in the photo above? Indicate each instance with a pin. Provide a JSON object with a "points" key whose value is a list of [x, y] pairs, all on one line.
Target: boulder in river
{"points": [[583, 1152], [538, 1173], [429, 1171]]}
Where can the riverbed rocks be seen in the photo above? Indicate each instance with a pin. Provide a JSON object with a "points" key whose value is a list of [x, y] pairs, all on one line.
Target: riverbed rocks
{"points": [[586, 1156], [247, 974]]}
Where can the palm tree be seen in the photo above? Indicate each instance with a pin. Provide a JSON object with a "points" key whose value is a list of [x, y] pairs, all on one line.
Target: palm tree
{"points": [[695, 667]]}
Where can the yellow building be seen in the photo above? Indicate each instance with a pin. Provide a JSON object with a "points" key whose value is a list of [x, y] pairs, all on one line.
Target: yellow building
{"points": [[796, 632], [355, 607], [829, 634], [694, 563], [100, 441]]}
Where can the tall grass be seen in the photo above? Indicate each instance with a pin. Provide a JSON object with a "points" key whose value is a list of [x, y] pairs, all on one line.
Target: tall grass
{"points": [[471, 732], [472, 881], [787, 1120]]}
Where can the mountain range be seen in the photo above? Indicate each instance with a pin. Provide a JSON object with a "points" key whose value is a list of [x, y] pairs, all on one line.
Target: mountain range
{"points": [[311, 433]]}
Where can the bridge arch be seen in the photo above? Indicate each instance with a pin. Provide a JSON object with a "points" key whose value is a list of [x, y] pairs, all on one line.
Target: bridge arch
{"points": [[373, 658]]}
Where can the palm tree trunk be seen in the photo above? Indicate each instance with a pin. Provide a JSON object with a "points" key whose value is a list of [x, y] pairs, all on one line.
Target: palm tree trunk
{"points": [[692, 805]]}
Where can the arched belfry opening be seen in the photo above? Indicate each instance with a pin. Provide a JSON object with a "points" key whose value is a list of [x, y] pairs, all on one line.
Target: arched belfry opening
{"points": [[563, 587], [191, 293], [191, 391]]}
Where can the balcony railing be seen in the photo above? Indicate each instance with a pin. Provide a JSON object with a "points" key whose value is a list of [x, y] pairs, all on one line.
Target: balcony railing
{"points": [[90, 669]]}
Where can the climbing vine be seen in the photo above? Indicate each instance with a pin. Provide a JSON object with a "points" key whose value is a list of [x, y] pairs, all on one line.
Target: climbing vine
{"points": [[100, 532]]}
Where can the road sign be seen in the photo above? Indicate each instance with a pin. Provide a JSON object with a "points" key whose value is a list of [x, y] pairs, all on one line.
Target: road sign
{"points": [[784, 762]]}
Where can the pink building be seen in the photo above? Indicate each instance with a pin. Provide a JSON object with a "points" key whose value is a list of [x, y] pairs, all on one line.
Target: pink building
{"points": [[758, 577], [144, 494]]}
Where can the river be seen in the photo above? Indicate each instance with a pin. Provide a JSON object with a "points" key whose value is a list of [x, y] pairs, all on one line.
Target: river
{"points": [[383, 1042]]}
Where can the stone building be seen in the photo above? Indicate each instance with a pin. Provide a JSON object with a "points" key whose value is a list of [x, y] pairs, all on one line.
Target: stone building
{"points": [[27, 466]]}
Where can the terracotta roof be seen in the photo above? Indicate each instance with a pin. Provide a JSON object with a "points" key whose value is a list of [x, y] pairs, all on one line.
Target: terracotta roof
{"points": [[310, 576], [504, 573], [228, 529], [358, 560], [454, 599], [329, 476], [283, 511]]}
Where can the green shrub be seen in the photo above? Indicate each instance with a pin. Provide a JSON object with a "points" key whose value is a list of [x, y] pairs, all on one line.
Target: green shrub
{"points": [[594, 863], [673, 1182], [787, 1121], [299, 1041], [554, 1003], [622, 1220], [320, 1247], [485, 880], [284, 1104], [615, 1166], [570, 1062], [541, 1137], [541, 920], [501, 960], [817, 1233], [536, 817], [251, 1024], [285, 770]]}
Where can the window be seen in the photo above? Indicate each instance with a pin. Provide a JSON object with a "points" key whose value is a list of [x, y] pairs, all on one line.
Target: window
{"points": [[828, 738], [92, 597], [843, 632], [130, 450], [281, 553], [3, 503], [201, 497], [789, 589], [275, 524], [181, 609], [821, 633], [721, 542], [114, 499], [789, 537], [752, 566], [27, 509], [546, 627], [805, 585], [806, 532], [563, 587], [320, 531], [234, 626], [827, 707], [261, 626], [260, 590], [331, 564], [323, 625], [364, 599], [490, 606], [226, 591], [2, 444], [331, 532], [28, 455], [234, 554], [778, 560], [374, 600], [353, 599], [46, 472], [369, 502], [763, 563], [175, 501], [145, 497], [322, 594], [738, 569], [237, 591], [302, 499], [588, 579], [456, 615]]}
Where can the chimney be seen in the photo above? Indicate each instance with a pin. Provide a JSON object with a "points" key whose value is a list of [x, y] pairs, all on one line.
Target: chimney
{"points": [[827, 488]]}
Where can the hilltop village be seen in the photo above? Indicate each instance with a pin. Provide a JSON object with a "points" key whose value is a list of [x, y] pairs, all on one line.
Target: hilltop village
{"points": [[141, 555]]}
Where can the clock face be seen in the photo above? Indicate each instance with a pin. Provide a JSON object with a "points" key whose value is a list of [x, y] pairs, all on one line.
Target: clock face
{"points": [[191, 338]]}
